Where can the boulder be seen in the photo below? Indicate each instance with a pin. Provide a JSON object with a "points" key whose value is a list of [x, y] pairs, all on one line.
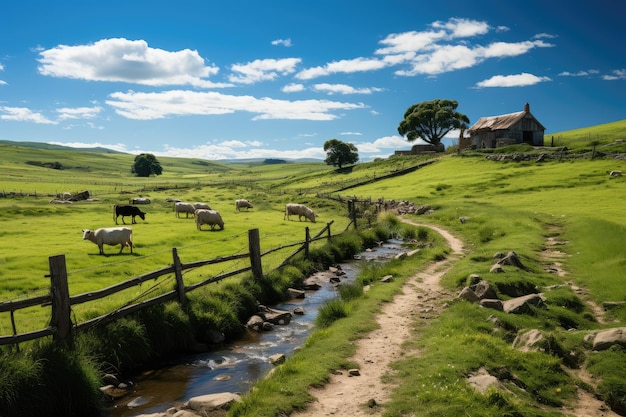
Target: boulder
{"points": [[512, 259], [529, 340], [496, 269], [277, 359], [482, 380], [255, 323], [468, 295], [211, 402], [294, 293], [522, 305], [492, 303], [607, 338], [483, 290]]}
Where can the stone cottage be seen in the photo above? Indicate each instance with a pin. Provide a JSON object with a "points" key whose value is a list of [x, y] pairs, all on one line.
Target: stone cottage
{"points": [[503, 130]]}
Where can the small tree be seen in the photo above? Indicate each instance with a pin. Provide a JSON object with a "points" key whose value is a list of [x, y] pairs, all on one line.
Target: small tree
{"points": [[339, 153], [145, 165], [431, 121]]}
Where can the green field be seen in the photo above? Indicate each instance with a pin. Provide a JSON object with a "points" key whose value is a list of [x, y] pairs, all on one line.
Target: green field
{"points": [[510, 206]]}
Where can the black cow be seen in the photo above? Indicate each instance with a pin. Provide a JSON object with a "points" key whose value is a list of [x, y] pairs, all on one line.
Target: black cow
{"points": [[127, 211]]}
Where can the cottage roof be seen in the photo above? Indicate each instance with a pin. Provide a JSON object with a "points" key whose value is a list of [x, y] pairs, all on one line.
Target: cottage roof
{"points": [[503, 121]]}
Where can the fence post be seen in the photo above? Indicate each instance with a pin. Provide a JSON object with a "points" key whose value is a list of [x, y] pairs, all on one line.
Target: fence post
{"points": [[307, 238], [60, 319], [178, 272], [329, 234], [254, 245]]}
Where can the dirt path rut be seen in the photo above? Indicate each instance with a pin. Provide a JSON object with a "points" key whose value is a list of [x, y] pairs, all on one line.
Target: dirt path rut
{"points": [[421, 295]]}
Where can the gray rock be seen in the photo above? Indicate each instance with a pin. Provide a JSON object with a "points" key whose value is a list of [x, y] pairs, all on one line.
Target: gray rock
{"points": [[212, 402], [492, 303], [607, 338], [468, 295], [522, 305]]}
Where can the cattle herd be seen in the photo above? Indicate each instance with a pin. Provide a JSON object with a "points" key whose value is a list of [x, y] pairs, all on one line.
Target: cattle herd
{"points": [[201, 212]]}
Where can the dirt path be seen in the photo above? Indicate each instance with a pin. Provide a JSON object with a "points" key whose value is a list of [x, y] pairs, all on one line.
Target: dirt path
{"points": [[422, 295]]}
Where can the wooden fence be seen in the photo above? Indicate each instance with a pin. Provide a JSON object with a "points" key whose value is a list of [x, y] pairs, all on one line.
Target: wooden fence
{"points": [[61, 327]]}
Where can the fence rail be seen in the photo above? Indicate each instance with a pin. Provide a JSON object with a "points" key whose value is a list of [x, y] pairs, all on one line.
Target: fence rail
{"points": [[61, 327]]}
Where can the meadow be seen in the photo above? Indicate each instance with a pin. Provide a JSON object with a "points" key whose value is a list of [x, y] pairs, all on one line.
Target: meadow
{"points": [[510, 206]]}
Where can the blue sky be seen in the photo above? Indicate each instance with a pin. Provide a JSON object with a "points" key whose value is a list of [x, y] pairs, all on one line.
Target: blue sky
{"points": [[276, 79]]}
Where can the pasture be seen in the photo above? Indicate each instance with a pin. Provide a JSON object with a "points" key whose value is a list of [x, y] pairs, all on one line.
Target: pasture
{"points": [[509, 206], [34, 229]]}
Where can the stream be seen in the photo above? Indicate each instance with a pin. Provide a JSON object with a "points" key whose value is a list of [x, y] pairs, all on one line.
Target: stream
{"points": [[237, 366]]}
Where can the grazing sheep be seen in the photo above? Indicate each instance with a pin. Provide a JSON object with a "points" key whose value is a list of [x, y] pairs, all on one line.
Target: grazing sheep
{"points": [[210, 217], [300, 210], [181, 207], [126, 211], [110, 236], [201, 206], [615, 173], [239, 204]]}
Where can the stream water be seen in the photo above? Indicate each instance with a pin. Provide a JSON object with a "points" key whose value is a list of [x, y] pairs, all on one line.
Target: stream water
{"points": [[237, 366]]}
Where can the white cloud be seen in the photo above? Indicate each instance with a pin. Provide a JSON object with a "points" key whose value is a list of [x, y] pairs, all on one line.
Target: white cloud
{"points": [[119, 147], [446, 58], [78, 112], [148, 106], [262, 70], [123, 60], [386, 142], [224, 151], [515, 80], [544, 36], [619, 74], [344, 89], [23, 114], [462, 28], [292, 88], [283, 42], [578, 73], [351, 133], [347, 66]]}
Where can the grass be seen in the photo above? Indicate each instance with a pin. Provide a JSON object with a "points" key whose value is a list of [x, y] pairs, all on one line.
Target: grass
{"points": [[509, 206]]}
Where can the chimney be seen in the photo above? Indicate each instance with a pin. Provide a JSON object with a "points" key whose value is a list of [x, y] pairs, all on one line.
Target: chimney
{"points": [[527, 108]]}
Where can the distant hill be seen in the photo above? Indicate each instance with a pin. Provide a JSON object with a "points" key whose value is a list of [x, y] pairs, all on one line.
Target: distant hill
{"points": [[49, 146]]}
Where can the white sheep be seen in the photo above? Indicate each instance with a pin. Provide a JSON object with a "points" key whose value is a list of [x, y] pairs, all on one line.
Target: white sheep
{"points": [[241, 203], [615, 173], [182, 207], [111, 236], [210, 217], [300, 210], [198, 205]]}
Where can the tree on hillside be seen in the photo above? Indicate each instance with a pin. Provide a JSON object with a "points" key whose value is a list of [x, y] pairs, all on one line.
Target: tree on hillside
{"points": [[339, 153], [431, 121], [145, 165]]}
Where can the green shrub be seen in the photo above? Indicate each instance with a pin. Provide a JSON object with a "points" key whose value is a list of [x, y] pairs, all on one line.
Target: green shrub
{"points": [[350, 291], [332, 310], [123, 344], [48, 379]]}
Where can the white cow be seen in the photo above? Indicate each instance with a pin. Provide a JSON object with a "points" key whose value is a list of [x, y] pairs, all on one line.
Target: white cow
{"points": [[110, 236], [241, 203], [300, 210], [210, 217], [198, 205], [182, 207]]}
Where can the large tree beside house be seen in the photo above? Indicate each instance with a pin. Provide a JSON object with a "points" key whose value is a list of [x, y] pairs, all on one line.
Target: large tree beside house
{"points": [[430, 121]]}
